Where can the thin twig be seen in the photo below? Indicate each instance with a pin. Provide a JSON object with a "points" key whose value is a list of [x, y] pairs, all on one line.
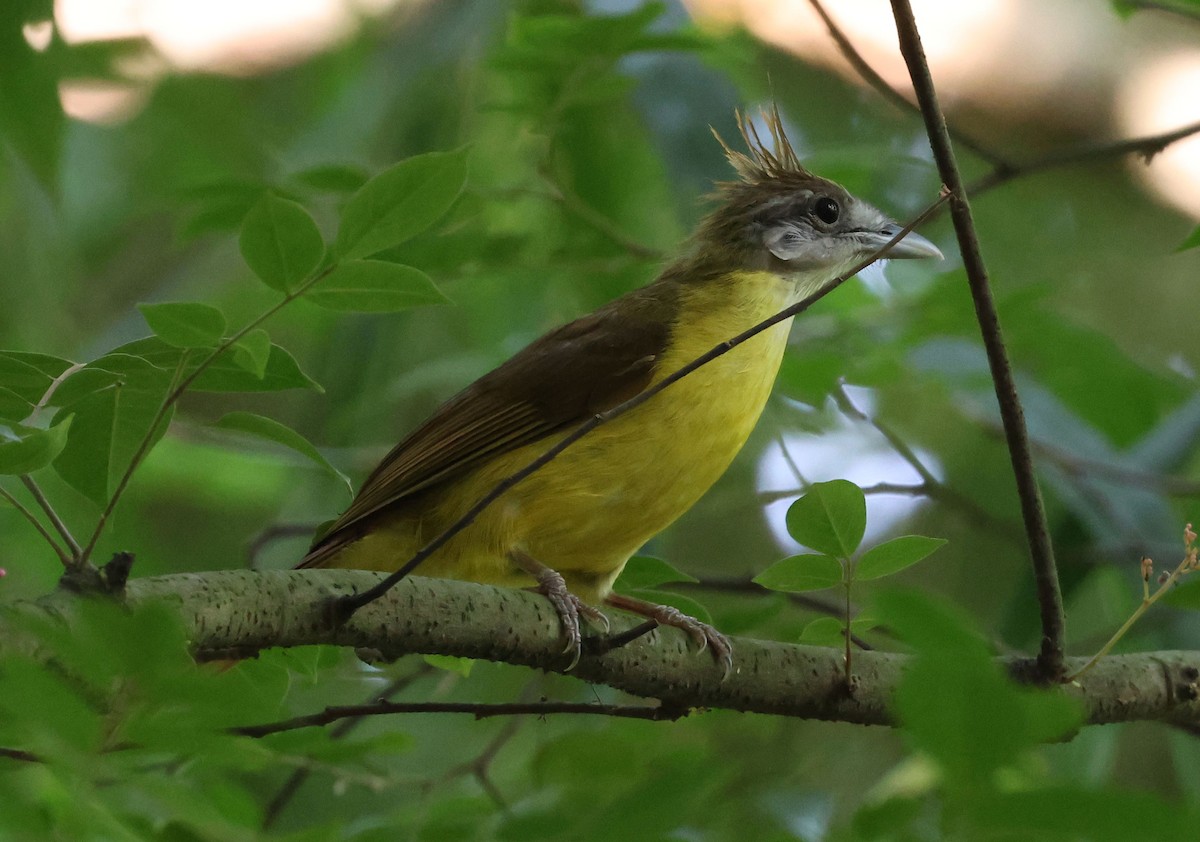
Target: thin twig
{"points": [[1004, 170], [480, 766], [20, 754], [572, 203], [1187, 12], [177, 392], [343, 607], [905, 490], [847, 653], [848, 407], [1146, 146], [1075, 465], [62, 554], [287, 791], [914, 490], [42, 500], [58, 523], [478, 710], [872, 78], [791, 463], [930, 486], [1050, 657], [53, 387], [1186, 566]]}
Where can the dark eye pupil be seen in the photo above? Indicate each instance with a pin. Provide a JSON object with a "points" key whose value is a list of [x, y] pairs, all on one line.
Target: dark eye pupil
{"points": [[826, 210]]}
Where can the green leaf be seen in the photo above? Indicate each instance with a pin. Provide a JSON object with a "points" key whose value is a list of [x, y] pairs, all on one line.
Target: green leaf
{"points": [[32, 448], [219, 205], [800, 573], [929, 625], [894, 555], [449, 663], [252, 352], [831, 518], [895, 817], [862, 625], [13, 407], [185, 324], [333, 178], [114, 400], [24, 379], [281, 372], [271, 430], [824, 631], [645, 572], [374, 286], [1192, 241], [955, 701], [280, 242], [1186, 594], [225, 374], [1124, 9], [32, 123], [62, 722], [1063, 812], [401, 202]]}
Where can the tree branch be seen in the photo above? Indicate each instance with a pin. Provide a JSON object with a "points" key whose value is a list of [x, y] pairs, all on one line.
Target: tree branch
{"points": [[1050, 658], [479, 710], [1147, 147], [240, 610], [288, 789], [872, 78], [1004, 170]]}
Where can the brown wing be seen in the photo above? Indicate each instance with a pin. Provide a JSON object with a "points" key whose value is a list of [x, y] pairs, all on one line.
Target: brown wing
{"points": [[575, 371]]}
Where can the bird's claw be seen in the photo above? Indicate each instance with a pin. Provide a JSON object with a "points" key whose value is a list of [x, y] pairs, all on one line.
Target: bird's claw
{"points": [[704, 635], [569, 609]]}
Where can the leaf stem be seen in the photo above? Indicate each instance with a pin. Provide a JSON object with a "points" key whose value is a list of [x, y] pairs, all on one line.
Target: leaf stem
{"points": [[846, 582], [177, 392], [53, 387], [1147, 601], [37, 524], [44, 503]]}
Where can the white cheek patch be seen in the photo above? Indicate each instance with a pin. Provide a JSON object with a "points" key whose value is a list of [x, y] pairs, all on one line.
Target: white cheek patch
{"points": [[800, 246]]}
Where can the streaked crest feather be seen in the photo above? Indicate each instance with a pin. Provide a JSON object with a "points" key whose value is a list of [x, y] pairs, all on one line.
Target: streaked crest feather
{"points": [[763, 163]]}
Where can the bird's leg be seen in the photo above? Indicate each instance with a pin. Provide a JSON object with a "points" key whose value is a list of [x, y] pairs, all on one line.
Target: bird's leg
{"points": [[569, 607], [702, 633]]}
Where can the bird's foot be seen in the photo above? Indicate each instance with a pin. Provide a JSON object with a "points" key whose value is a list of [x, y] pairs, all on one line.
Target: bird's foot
{"points": [[704, 635], [569, 607]]}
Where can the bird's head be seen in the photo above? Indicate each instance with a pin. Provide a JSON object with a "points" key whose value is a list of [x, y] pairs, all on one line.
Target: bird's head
{"points": [[782, 218]]}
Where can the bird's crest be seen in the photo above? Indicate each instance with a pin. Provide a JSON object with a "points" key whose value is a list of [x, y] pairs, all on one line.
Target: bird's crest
{"points": [[763, 163]]}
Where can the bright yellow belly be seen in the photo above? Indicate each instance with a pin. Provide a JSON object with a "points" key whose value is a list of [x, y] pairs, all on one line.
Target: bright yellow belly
{"points": [[585, 513]]}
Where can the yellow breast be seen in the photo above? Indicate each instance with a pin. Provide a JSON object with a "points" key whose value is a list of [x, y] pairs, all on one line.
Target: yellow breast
{"points": [[589, 510]]}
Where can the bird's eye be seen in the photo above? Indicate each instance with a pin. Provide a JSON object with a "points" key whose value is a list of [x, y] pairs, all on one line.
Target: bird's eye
{"points": [[827, 210]]}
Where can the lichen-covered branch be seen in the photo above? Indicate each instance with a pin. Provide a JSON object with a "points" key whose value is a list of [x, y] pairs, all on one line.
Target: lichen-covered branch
{"points": [[244, 611]]}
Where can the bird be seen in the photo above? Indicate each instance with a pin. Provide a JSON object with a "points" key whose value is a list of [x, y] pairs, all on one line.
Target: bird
{"points": [[777, 234]]}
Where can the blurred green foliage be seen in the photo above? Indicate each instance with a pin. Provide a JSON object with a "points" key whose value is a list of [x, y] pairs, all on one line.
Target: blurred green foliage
{"points": [[583, 139]]}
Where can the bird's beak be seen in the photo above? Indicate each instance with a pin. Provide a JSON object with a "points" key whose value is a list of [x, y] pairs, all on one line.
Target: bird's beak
{"points": [[911, 247]]}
